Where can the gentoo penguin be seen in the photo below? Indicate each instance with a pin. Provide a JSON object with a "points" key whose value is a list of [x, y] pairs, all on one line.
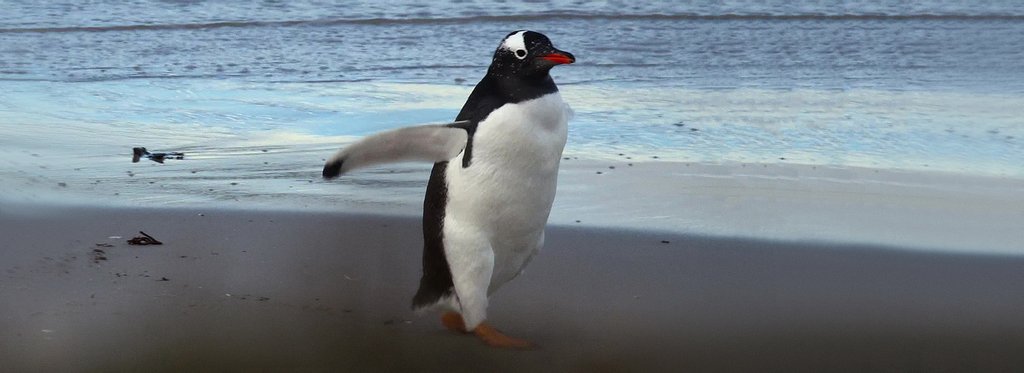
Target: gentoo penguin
{"points": [[492, 185]]}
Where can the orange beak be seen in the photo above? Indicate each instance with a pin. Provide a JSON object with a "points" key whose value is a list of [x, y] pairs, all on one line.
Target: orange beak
{"points": [[559, 57]]}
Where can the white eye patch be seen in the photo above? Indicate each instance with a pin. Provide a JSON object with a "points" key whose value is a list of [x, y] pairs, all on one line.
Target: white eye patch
{"points": [[516, 43]]}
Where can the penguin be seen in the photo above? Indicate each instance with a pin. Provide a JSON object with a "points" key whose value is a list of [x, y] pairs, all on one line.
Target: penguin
{"points": [[492, 184]]}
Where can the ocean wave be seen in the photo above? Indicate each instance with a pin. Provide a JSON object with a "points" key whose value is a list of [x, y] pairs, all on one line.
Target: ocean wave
{"points": [[555, 16]]}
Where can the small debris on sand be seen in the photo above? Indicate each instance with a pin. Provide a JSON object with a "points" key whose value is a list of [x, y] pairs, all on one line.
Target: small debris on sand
{"points": [[140, 152], [98, 255], [144, 239], [254, 297]]}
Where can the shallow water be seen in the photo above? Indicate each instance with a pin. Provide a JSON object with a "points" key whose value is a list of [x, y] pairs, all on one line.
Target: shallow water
{"points": [[918, 85], [922, 45]]}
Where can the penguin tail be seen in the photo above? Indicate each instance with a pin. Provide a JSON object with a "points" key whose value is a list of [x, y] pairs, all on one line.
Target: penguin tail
{"points": [[423, 304], [427, 143]]}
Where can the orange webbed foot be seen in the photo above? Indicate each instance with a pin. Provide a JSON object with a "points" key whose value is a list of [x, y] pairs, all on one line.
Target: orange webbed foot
{"points": [[453, 321], [494, 338]]}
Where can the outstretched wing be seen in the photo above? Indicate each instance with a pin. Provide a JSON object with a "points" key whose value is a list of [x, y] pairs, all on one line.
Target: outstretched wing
{"points": [[429, 143]]}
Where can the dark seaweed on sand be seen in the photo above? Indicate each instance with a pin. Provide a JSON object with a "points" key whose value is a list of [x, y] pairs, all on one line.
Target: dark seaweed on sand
{"points": [[141, 152]]}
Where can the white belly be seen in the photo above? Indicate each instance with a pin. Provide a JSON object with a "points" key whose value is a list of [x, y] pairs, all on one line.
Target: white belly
{"points": [[507, 191]]}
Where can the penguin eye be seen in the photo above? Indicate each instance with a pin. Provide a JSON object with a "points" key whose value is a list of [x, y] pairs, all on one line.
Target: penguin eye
{"points": [[521, 53]]}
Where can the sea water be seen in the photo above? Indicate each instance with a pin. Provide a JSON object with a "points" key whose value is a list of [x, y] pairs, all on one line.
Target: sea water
{"points": [[257, 94]]}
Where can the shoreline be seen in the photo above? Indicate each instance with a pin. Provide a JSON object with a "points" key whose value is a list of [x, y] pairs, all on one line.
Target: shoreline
{"points": [[784, 202], [328, 291]]}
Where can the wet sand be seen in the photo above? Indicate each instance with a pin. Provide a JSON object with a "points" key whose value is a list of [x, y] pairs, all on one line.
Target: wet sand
{"points": [[242, 290]]}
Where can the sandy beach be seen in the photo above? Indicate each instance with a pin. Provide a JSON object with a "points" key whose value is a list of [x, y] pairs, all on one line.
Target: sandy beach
{"points": [[239, 290]]}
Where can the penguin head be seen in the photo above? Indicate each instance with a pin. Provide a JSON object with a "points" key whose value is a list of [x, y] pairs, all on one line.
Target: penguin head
{"points": [[527, 54]]}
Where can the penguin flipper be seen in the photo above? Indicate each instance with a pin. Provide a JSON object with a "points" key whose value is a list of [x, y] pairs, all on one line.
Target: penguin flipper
{"points": [[428, 143]]}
